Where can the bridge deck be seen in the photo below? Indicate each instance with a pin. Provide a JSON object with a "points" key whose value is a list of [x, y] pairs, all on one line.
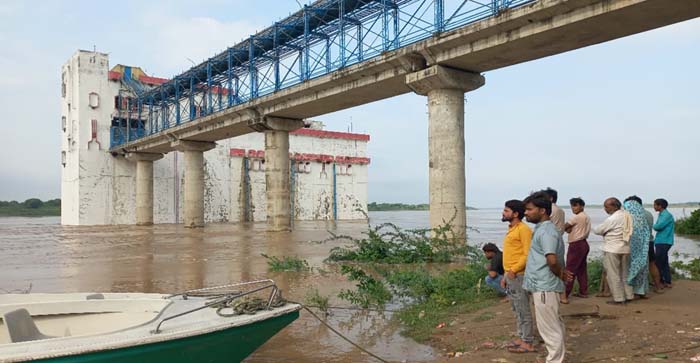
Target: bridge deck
{"points": [[536, 30]]}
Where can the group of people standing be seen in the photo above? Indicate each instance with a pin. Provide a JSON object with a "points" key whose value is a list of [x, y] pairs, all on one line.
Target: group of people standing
{"points": [[533, 265]]}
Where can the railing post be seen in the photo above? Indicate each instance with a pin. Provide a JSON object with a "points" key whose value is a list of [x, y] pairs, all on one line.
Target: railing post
{"points": [[229, 77], [150, 115], [396, 27], [439, 15], [193, 110], [329, 60], [251, 68], [385, 25], [177, 103], [210, 100], [163, 109], [360, 39], [128, 121], [307, 68], [341, 19], [275, 40]]}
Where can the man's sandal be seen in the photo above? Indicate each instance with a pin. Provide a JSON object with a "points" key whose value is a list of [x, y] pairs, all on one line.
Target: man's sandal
{"points": [[521, 349]]}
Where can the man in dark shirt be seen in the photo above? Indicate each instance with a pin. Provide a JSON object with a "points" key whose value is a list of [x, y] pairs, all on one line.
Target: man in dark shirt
{"points": [[494, 267]]}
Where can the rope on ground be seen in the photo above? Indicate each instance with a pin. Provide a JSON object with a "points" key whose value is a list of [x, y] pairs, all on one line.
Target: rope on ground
{"points": [[643, 354], [341, 334], [594, 314], [352, 308]]}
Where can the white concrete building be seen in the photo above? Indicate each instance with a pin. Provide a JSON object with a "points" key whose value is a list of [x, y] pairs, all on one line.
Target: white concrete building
{"points": [[328, 177]]}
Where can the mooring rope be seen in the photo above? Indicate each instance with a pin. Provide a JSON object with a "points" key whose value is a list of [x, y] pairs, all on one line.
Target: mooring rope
{"points": [[341, 334]]}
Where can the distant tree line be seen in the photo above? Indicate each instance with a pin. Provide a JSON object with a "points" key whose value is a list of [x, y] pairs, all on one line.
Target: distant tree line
{"points": [[379, 207], [32, 207]]}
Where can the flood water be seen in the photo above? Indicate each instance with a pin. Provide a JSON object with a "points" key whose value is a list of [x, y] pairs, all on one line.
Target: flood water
{"points": [[168, 258]]}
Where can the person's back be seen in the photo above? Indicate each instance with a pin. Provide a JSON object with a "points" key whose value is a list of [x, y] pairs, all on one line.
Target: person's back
{"points": [[665, 228], [612, 231], [650, 221], [497, 263], [558, 218]]}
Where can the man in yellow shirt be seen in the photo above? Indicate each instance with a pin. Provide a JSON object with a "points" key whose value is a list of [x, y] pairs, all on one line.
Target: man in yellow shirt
{"points": [[515, 249]]}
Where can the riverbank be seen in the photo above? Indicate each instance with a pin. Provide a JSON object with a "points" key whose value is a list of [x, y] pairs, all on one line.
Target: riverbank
{"points": [[30, 208], [665, 327]]}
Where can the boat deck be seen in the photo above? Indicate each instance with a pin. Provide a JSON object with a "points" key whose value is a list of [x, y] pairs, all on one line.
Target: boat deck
{"points": [[112, 322]]}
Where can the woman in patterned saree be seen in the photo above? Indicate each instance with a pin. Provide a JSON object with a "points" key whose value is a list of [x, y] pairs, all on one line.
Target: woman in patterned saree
{"points": [[638, 276]]}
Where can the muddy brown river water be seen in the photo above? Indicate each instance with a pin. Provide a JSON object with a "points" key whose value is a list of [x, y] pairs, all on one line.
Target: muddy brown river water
{"points": [[167, 258]]}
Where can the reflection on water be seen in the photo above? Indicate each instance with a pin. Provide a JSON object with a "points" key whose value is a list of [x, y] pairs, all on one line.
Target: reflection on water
{"points": [[168, 258]]}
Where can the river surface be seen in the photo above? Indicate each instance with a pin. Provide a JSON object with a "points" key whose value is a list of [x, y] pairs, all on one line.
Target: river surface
{"points": [[167, 258]]}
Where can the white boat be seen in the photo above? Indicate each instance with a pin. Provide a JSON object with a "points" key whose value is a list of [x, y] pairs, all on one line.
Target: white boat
{"points": [[194, 326]]}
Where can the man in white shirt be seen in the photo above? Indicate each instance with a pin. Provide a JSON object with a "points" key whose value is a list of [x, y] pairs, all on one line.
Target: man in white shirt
{"points": [[616, 251]]}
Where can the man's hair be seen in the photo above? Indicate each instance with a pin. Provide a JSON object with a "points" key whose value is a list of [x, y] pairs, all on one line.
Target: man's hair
{"points": [[615, 202], [540, 199], [516, 206], [577, 201], [490, 247], [552, 194], [661, 202], [634, 198]]}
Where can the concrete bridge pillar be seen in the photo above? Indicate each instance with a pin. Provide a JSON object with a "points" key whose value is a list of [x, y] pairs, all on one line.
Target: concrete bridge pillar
{"points": [[144, 186], [194, 180], [445, 88], [277, 171]]}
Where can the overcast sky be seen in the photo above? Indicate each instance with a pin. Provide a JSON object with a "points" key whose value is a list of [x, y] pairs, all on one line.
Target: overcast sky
{"points": [[609, 120]]}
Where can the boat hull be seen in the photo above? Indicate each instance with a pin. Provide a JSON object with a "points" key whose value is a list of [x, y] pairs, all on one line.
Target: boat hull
{"points": [[228, 345]]}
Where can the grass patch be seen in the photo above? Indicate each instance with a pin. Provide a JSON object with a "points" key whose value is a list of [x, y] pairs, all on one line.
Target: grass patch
{"points": [[313, 298], [687, 270], [438, 297], [595, 272], [286, 263], [485, 316]]}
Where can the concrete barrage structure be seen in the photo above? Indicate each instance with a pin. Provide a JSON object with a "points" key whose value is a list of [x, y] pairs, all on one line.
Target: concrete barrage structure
{"points": [[326, 173]]}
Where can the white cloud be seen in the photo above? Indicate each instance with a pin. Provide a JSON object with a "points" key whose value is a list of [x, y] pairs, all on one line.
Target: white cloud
{"points": [[175, 39]]}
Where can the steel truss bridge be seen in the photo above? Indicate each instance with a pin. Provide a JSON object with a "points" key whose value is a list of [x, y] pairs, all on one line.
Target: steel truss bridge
{"points": [[319, 39]]}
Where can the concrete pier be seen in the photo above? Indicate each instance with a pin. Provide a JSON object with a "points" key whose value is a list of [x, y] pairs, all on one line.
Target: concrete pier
{"points": [[277, 171], [445, 88], [144, 186], [194, 180]]}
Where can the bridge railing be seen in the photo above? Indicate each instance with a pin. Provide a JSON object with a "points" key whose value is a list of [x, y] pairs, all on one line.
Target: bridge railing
{"points": [[323, 37]]}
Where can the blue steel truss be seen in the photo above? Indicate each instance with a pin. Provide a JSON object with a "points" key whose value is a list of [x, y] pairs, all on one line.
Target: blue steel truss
{"points": [[321, 38]]}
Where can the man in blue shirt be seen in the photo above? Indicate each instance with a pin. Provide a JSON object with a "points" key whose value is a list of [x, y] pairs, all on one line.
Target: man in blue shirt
{"points": [[545, 274], [664, 228]]}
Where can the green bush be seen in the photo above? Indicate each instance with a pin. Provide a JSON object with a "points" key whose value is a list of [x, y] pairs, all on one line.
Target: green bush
{"points": [[595, 272], [689, 225], [370, 291], [286, 263], [33, 203], [688, 270]]}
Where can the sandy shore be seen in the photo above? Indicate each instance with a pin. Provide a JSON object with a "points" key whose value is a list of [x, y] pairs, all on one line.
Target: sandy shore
{"points": [[665, 327]]}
